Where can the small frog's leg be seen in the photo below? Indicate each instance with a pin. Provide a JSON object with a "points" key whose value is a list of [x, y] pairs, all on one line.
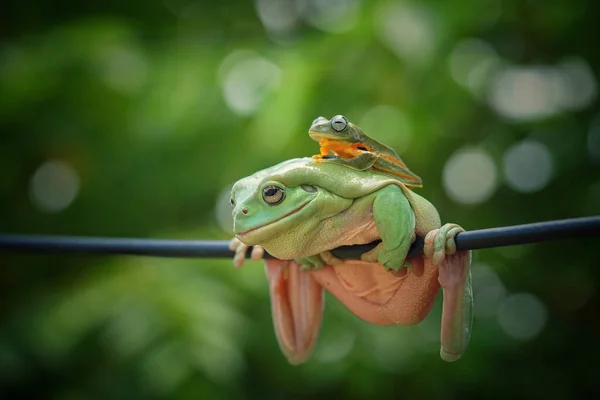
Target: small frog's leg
{"points": [[296, 307], [455, 280], [361, 162], [399, 169], [395, 222], [240, 249]]}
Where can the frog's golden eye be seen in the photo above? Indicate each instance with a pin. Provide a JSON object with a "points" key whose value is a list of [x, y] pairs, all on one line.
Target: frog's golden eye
{"points": [[273, 195], [309, 188], [339, 123]]}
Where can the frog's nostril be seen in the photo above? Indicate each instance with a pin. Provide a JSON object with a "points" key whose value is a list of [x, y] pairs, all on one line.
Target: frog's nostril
{"points": [[245, 211]]}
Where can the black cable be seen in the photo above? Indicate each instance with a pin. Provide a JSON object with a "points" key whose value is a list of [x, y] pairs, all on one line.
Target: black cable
{"points": [[470, 240]]}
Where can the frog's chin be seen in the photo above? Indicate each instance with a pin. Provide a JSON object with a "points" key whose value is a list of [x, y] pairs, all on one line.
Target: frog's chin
{"points": [[257, 234]]}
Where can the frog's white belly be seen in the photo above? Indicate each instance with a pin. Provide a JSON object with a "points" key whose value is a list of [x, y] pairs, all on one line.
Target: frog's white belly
{"points": [[347, 229], [355, 225]]}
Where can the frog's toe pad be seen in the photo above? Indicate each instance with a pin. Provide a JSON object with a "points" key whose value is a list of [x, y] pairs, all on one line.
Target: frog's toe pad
{"points": [[240, 250]]}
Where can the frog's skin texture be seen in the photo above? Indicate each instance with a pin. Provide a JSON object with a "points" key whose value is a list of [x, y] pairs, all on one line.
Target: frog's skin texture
{"points": [[353, 148], [300, 209]]}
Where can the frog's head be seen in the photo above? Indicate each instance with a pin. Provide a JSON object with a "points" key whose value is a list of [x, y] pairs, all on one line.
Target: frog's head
{"points": [[338, 128], [281, 207]]}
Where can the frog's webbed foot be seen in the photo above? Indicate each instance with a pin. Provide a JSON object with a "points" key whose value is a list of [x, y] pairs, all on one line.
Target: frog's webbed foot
{"points": [[393, 260], [455, 280], [240, 250]]}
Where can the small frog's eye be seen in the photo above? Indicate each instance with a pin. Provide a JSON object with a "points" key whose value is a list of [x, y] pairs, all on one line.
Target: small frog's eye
{"points": [[232, 202], [309, 188], [273, 195], [339, 123]]}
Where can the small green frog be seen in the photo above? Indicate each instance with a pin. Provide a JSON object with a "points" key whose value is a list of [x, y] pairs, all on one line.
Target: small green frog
{"points": [[301, 209], [353, 148]]}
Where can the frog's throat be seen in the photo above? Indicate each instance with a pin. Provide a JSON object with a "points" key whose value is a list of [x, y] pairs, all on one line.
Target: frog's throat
{"points": [[241, 235]]}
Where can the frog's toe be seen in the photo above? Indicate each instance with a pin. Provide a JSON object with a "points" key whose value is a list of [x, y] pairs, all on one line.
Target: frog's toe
{"points": [[428, 248], [450, 239], [257, 253], [441, 242], [435, 246], [239, 249]]}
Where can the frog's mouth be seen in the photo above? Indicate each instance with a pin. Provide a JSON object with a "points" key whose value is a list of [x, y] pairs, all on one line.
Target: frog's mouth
{"points": [[321, 135], [259, 228]]}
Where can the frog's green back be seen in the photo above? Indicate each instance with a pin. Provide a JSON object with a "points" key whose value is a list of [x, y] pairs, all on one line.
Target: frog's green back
{"points": [[349, 183]]}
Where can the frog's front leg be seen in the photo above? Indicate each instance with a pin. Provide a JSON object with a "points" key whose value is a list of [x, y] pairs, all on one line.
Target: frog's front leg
{"points": [[395, 222], [455, 279], [360, 162], [240, 250]]}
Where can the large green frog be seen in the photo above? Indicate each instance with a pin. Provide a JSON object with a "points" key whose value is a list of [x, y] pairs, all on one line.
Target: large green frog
{"points": [[301, 209]]}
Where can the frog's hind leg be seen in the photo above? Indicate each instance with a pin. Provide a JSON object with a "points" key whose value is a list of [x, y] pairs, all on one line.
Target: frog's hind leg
{"points": [[297, 308], [399, 170], [454, 269], [361, 162]]}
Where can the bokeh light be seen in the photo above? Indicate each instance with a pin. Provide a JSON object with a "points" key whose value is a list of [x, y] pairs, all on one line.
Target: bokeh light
{"points": [[247, 79], [522, 316], [333, 16], [124, 69], [470, 176], [279, 17], [388, 125], [408, 29], [471, 64], [54, 186], [488, 291], [526, 93], [528, 166]]}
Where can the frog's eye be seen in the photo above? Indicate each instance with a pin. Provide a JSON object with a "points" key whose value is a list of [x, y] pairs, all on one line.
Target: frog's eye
{"points": [[232, 202], [309, 188], [339, 123], [273, 195]]}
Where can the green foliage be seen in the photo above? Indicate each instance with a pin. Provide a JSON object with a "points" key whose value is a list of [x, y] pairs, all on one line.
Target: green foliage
{"points": [[153, 109]]}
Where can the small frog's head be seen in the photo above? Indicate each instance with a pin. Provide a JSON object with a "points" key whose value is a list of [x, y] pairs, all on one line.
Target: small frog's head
{"points": [[337, 128]]}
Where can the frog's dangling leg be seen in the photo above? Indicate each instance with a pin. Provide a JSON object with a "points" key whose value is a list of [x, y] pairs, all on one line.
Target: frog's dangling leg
{"points": [[400, 172], [361, 162], [297, 308], [454, 270]]}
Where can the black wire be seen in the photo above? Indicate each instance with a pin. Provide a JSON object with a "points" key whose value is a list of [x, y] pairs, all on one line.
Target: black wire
{"points": [[470, 240]]}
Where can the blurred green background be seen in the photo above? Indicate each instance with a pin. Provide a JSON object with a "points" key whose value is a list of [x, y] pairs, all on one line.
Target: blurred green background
{"points": [[134, 118]]}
